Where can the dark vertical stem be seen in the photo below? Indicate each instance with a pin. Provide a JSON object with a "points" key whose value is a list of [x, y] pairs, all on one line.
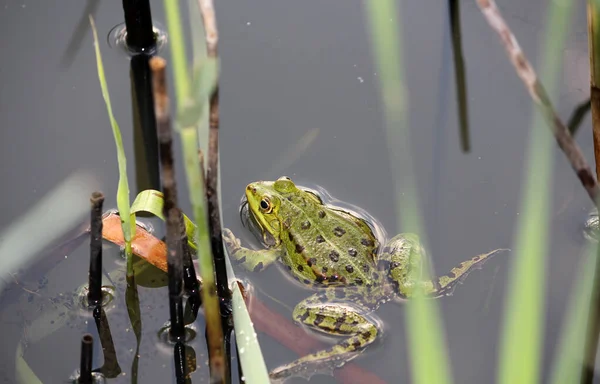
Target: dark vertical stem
{"points": [[593, 324], [138, 21], [171, 211], [111, 368], [144, 124], [207, 11], [95, 272], [216, 236], [180, 362], [85, 367], [459, 73]]}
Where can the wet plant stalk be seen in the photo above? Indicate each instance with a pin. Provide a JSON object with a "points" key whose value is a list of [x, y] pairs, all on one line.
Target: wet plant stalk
{"points": [[145, 144], [179, 359], [212, 176], [196, 187], [209, 19], [540, 97], [459, 73], [85, 368], [138, 21], [593, 11], [95, 272], [111, 368], [171, 211]]}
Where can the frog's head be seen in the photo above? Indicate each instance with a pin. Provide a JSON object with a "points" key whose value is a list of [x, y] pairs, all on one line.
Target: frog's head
{"points": [[264, 200]]}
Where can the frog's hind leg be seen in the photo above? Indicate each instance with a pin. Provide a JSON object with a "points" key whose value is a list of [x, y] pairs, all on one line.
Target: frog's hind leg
{"points": [[250, 259], [319, 312], [444, 285], [402, 259]]}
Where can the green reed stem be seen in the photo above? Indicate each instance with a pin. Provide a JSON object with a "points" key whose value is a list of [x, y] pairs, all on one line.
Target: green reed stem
{"points": [[428, 350]]}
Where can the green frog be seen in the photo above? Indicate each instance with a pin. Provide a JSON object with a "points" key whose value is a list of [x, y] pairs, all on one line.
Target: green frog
{"points": [[336, 253]]}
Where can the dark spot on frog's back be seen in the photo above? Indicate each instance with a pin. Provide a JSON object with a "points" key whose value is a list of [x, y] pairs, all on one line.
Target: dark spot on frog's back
{"points": [[367, 242], [312, 261], [299, 248], [287, 223], [334, 256], [349, 268], [320, 239], [339, 232], [305, 224], [300, 268], [321, 214], [352, 252]]}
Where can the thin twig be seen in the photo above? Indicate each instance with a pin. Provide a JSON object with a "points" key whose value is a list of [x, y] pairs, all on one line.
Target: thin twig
{"points": [[210, 26], [538, 93], [593, 21], [171, 211]]}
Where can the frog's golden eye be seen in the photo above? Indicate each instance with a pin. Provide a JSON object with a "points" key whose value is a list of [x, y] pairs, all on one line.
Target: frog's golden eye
{"points": [[265, 205]]}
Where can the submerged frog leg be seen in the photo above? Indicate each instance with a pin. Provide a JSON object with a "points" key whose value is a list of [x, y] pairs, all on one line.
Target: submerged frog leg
{"points": [[320, 313], [250, 259], [402, 259]]}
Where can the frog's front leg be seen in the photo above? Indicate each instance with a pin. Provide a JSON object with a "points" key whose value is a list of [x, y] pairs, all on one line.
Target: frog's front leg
{"points": [[402, 260], [321, 313], [250, 259]]}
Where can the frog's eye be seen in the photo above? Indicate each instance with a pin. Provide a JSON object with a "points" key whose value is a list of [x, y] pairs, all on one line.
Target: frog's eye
{"points": [[265, 205]]}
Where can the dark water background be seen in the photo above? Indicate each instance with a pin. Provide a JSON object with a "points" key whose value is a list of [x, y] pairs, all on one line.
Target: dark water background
{"points": [[291, 70]]}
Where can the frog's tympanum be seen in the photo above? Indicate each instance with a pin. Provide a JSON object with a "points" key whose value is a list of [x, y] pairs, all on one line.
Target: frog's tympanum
{"points": [[338, 254]]}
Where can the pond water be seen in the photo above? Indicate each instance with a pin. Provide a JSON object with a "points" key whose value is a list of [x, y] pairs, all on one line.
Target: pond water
{"points": [[299, 97]]}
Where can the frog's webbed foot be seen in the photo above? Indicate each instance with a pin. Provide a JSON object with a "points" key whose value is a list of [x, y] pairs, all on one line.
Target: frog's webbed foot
{"points": [[341, 319], [250, 259]]}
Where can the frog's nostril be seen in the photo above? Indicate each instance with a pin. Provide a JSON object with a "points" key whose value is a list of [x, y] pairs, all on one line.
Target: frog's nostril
{"points": [[251, 188]]}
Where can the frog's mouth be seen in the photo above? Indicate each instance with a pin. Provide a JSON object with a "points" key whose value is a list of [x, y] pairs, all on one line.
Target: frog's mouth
{"points": [[249, 221]]}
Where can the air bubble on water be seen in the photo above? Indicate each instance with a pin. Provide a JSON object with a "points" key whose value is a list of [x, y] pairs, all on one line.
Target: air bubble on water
{"points": [[248, 23], [117, 37], [360, 79], [242, 350]]}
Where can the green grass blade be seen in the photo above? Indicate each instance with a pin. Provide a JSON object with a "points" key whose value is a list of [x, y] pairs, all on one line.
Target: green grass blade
{"points": [[428, 350], [192, 114], [123, 189], [249, 352], [568, 357], [524, 315], [23, 372], [178, 56]]}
